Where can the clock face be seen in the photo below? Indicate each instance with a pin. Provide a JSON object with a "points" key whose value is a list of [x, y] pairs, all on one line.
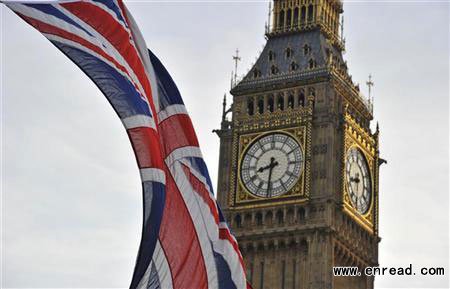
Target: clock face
{"points": [[272, 165], [358, 180]]}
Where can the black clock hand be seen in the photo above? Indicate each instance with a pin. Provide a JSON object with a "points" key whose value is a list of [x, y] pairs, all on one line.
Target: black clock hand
{"points": [[269, 166], [272, 164], [262, 169]]}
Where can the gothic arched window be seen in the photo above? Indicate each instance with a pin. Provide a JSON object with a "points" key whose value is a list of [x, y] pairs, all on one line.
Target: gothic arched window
{"points": [[281, 19], [238, 221], [289, 52], [296, 16], [250, 107], [288, 18], [306, 49], [271, 55], [310, 13], [256, 73], [312, 63], [274, 69], [280, 217], [261, 105], [270, 104], [291, 101], [301, 214], [280, 102], [269, 218], [303, 15], [294, 66], [258, 219], [304, 247], [301, 98]]}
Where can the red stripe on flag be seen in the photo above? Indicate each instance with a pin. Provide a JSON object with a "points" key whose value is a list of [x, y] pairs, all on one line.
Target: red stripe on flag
{"points": [[176, 132], [180, 241], [146, 147], [111, 29], [200, 189]]}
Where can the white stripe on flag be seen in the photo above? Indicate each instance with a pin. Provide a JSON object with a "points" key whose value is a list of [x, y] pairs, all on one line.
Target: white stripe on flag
{"points": [[153, 175], [138, 121], [170, 111], [162, 265], [183, 152]]}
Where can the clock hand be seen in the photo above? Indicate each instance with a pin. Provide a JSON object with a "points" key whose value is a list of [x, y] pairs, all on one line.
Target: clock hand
{"points": [[272, 164], [269, 166]]}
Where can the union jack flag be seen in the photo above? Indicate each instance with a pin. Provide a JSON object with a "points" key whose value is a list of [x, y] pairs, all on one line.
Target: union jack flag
{"points": [[185, 240]]}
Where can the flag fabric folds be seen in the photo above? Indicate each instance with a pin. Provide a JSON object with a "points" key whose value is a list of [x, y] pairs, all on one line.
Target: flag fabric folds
{"points": [[185, 240]]}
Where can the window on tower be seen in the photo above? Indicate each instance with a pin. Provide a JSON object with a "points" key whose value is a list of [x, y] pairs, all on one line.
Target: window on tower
{"points": [[270, 104], [261, 106], [310, 12], [258, 219], [301, 214], [306, 49], [294, 66], [280, 102], [312, 63], [289, 52], [238, 221], [291, 101], [269, 218], [281, 19], [280, 217], [304, 246], [274, 70], [303, 15], [271, 55], [301, 98], [296, 16], [250, 107], [288, 18]]}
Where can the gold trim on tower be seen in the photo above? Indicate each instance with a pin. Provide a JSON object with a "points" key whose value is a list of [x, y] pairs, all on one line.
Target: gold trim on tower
{"points": [[357, 137]]}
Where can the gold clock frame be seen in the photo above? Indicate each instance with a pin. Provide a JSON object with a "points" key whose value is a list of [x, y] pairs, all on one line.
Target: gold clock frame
{"points": [[243, 195], [357, 137]]}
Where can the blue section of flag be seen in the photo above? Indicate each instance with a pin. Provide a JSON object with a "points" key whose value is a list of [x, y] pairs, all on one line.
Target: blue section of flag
{"points": [[167, 90], [223, 273], [123, 96], [154, 199]]}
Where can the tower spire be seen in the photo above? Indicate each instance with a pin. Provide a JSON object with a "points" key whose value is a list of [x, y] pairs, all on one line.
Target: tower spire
{"points": [[370, 84], [224, 106], [236, 59]]}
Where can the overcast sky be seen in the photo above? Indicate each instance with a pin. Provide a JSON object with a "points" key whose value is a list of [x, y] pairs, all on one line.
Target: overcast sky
{"points": [[71, 194]]}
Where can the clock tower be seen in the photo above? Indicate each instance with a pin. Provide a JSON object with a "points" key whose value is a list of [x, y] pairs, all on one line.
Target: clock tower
{"points": [[298, 165]]}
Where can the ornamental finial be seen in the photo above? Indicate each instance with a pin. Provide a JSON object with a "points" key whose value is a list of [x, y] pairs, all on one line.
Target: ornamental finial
{"points": [[224, 106]]}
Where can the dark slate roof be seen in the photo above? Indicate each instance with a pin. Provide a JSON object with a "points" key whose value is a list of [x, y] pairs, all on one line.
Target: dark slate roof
{"points": [[295, 41]]}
